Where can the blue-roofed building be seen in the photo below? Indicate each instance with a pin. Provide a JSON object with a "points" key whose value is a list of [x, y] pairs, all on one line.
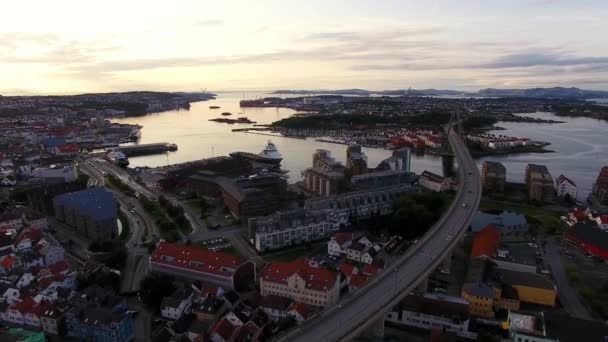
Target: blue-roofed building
{"points": [[92, 212], [99, 324], [51, 143]]}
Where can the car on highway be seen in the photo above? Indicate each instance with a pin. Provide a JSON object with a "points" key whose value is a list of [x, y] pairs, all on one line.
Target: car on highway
{"points": [[464, 204], [134, 244]]}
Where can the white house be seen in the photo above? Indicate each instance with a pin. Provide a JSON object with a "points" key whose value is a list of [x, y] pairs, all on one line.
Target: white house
{"points": [[434, 182], [354, 251], [431, 311], [565, 187], [25, 280], [367, 257], [31, 260], [53, 255], [8, 180], [234, 319], [173, 308], [338, 243], [11, 295], [11, 220], [35, 220], [602, 222]]}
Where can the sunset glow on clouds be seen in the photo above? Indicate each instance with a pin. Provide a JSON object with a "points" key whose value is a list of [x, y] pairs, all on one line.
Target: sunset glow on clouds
{"points": [[73, 46]]}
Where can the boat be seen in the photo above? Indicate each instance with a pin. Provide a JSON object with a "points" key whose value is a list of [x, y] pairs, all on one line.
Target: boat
{"points": [[226, 113], [117, 157], [269, 155], [214, 107]]}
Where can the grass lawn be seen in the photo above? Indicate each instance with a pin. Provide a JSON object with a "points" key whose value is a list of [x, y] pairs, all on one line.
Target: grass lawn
{"points": [[195, 205], [294, 253], [549, 219]]}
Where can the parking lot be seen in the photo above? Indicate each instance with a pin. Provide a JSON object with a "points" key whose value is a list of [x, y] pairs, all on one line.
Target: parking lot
{"points": [[216, 245], [592, 270]]}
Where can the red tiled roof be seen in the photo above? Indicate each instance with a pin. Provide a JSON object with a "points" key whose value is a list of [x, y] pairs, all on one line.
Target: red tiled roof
{"points": [[358, 280], [342, 238], [371, 269], [68, 148], [25, 305], [486, 242], [319, 279], [38, 308], [59, 267], [563, 178], [44, 283], [196, 259], [223, 328], [7, 261], [579, 214], [303, 309], [32, 234], [604, 219], [348, 269]]}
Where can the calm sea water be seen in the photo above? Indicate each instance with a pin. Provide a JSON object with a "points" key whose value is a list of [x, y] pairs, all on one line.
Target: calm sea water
{"points": [[199, 138], [581, 144]]}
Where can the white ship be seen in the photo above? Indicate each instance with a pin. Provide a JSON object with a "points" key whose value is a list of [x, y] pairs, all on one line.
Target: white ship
{"points": [[117, 157], [270, 155]]}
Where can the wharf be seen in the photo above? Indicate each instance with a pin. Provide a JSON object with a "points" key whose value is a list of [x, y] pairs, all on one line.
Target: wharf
{"points": [[147, 149]]}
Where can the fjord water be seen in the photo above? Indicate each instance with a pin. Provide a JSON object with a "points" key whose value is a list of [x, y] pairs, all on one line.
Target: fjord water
{"points": [[199, 138], [581, 144]]}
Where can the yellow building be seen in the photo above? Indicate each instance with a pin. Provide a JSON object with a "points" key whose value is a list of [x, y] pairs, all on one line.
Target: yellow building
{"points": [[531, 288], [493, 284], [481, 299]]}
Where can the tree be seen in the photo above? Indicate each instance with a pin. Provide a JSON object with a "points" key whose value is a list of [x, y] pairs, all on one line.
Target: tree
{"points": [[415, 213], [154, 288]]}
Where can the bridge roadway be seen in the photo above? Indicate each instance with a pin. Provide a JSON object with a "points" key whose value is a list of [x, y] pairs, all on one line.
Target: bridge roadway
{"points": [[365, 307]]}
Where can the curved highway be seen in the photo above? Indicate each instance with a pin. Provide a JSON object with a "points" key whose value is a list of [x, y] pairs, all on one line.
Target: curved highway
{"points": [[363, 308]]}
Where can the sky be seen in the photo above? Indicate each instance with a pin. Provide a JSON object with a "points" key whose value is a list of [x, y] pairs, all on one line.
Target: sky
{"points": [[65, 46]]}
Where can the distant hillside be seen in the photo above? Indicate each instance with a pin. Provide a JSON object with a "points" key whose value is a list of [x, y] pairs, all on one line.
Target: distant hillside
{"points": [[555, 93], [414, 92], [325, 91]]}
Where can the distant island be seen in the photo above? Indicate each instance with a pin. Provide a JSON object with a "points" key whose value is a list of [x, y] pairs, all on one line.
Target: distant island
{"points": [[550, 93], [116, 104]]}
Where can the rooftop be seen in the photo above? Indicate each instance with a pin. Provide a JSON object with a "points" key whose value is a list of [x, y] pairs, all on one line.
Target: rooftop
{"points": [[318, 279], [196, 259], [98, 203]]}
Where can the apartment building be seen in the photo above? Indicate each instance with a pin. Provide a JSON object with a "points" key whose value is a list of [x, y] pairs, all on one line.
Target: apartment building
{"points": [[302, 282], [293, 227], [493, 177], [190, 262], [539, 183]]}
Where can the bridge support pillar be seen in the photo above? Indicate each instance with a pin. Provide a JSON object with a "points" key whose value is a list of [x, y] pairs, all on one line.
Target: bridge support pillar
{"points": [[376, 330], [423, 287], [446, 264]]}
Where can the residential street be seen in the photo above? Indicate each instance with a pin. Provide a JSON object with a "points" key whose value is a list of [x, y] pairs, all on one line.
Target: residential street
{"points": [[568, 296]]}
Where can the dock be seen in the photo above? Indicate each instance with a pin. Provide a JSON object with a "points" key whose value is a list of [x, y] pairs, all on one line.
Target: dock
{"points": [[147, 149]]}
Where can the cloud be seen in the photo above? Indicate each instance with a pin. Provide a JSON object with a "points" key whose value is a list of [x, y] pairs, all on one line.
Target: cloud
{"points": [[10, 41], [209, 22], [539, 59]]}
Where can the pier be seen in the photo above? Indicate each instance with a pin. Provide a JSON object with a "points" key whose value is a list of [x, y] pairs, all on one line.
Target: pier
{"points": [[147, 149]]}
